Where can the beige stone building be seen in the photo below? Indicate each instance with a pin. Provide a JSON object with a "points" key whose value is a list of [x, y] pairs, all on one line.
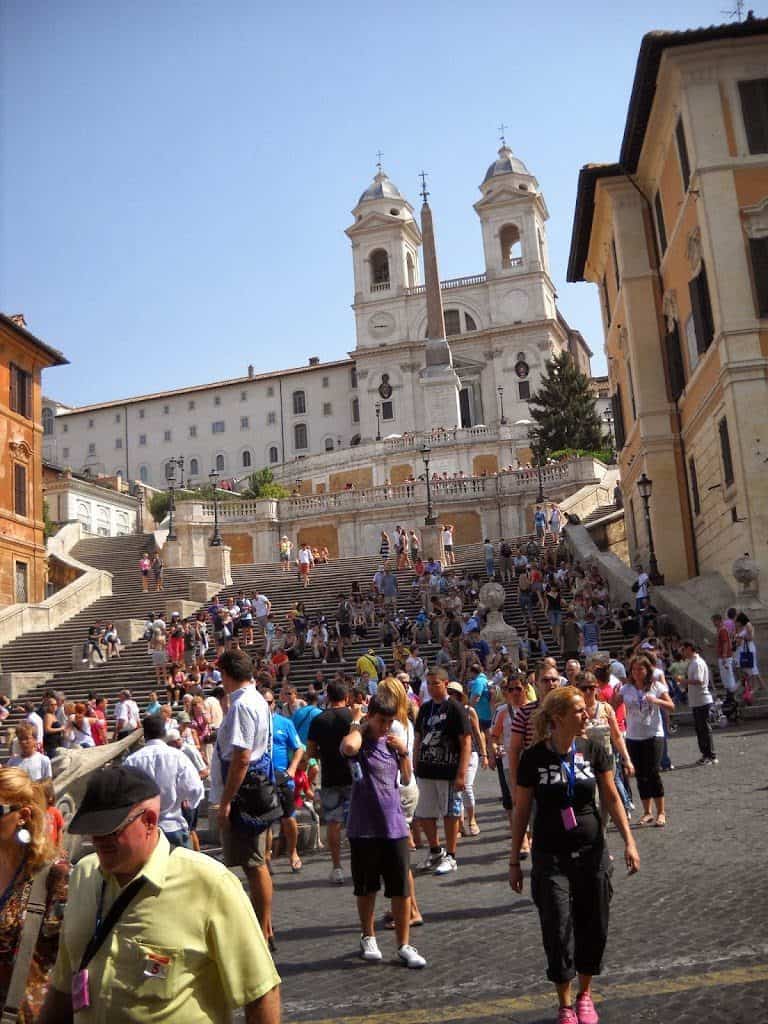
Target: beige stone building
{"points": [[675, 236]]}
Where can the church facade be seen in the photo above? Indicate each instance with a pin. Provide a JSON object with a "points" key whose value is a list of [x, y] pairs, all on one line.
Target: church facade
{"points": [[499, 326]]}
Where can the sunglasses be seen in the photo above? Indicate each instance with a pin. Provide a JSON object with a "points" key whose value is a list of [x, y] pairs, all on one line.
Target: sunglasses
{"points": [[8, 809], [121, 828], [582, 688]]}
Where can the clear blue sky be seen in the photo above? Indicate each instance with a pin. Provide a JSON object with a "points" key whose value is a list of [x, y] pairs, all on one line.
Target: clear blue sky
{"points": [[176, 176]]}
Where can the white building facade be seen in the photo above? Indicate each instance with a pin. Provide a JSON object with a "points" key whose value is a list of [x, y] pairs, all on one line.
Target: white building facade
{"points": [[502, 324]]}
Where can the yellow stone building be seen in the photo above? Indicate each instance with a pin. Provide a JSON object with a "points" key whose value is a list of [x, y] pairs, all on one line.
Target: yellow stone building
{"points": [[675, 236]]}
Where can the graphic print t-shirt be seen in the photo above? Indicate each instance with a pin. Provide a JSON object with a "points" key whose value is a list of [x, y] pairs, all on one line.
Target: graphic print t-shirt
{"points": [[440, 727], [543, 771]]}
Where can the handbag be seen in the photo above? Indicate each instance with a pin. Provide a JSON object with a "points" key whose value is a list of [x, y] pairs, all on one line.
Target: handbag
{"points": [[257, 802], [746, 658]]}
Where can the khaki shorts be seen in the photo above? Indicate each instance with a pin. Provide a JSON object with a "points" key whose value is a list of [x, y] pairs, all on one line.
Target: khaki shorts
{"points": [[244, 849]]}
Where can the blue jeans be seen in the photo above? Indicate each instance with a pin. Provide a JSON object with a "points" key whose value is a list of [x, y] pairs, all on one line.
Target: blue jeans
{"points": [[622, 784], [179, 838]]}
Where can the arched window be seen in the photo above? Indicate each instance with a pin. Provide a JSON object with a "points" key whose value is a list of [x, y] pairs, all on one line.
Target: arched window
{"points": [[273, 454], [469, 322], [379, 270], [143, 474], [194, 467], [47, 421], [300, 437], [219, 463], [410, 270], [246, 460], [511, 249], [329, 445], [299, 403]]}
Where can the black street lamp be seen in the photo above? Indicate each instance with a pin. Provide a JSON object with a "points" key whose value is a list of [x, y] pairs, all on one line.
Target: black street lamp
{"points": [[608, 417], [645, 487], [170, 476], [140, 510], [503, 420], [216, 540], [377, 409], [430, 518], [180, 464]]}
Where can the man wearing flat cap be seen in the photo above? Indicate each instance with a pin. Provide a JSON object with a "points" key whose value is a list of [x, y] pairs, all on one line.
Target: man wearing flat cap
{"points": [[153, 933]]}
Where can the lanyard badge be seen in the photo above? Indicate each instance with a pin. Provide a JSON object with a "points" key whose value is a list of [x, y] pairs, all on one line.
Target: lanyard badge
{"points": [[567, 814]]}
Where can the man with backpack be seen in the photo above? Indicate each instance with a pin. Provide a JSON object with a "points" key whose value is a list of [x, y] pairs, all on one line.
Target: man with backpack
{"points": [[505, 561]]}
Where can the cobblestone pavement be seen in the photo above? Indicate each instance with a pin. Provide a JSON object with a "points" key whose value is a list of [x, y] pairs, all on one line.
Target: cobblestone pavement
{"points": [[688, 939]]}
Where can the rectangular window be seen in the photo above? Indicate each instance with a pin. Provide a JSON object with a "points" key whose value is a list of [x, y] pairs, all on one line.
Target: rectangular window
{"points": [[271, 419], [524, 390], [217, 400], [754, 109], [299, 403], [758, 251], [618, 419], [20, 391], [691, 344], [725, 452], [244, 423], [452, 322], [661, 229], [270, 393], [90, 424], [615, 264], [118, 442], [167, 435], [92, 448], [695, 498], [191, 404], [326, 382], [142, 440], [327, 409], [675, 368], [355, 410], [193, 431], [117, 417], [300, 436], [166, 410], [141, 414], [243, 396], [353, 377], [682, 152], [19, 489], [218, 427], [606, 301], [65, 428], [702, 310], [21, 582], [65, 453], [387, 411]]}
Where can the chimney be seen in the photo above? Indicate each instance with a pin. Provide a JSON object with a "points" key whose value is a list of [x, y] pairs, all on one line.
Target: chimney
{"points": [[314, 360], [250, 369]]}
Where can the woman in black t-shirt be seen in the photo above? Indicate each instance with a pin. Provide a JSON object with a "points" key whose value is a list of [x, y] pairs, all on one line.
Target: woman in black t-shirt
{"points": [[570, 877]]}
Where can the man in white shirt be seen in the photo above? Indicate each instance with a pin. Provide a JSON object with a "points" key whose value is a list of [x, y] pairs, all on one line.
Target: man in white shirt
{"points": [[179, 784], [641, 588], [306, 562], [261, 606], [244, 739], [127, 716], [699, 700]]}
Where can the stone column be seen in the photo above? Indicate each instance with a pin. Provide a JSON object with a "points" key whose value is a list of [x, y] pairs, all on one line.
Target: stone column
{"points": [[219, 565], [432, 543]]}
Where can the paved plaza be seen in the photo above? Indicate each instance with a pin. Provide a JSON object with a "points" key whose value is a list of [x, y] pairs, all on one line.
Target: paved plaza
{"points": [[688, 939]]}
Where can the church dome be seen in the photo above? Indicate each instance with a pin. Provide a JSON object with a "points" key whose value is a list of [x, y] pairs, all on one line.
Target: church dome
{"points": [[507, 163], [380, 188]]}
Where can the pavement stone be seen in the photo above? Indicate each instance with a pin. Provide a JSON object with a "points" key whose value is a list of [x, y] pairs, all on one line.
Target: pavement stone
{"points": [[688, 938]]}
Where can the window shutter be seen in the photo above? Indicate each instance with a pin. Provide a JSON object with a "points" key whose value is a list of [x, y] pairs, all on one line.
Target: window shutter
{"points": [[725, 451], [661, 229], [682, 150], [20, 489], [754, 109], [702, 310], [758, 250], [618, 419], [675, 368], [694, 486]]}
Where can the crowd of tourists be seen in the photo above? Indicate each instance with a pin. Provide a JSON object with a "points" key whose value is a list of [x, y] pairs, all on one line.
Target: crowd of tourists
{"points": [[384, 748]]}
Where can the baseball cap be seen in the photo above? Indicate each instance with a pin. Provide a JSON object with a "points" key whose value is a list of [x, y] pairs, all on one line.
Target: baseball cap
{"points": [[109, 796], [455, 687], [172, 735]]}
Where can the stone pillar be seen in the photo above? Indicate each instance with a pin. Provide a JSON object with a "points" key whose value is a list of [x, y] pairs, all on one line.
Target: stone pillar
{"points": [[172, 554], [219, 565], [496, 629], [432, 543]]}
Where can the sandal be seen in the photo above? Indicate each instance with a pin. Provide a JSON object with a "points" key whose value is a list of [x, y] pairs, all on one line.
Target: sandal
{"points": [[647, 819], [661, 821], [296, 866]]}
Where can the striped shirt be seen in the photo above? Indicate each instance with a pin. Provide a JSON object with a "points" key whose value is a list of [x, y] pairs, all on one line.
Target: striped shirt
{"points": [[522, 723]]}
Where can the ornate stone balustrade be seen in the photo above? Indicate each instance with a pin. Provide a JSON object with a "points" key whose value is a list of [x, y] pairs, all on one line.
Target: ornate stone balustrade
{"points": [[453, 282]]}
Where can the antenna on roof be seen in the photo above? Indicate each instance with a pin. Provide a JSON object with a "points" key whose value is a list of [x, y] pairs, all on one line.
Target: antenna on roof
{"points": [[737, 12]]}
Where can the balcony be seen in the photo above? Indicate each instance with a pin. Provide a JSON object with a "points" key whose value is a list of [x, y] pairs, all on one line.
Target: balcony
{"points": [[381, 286], [453, 282]]}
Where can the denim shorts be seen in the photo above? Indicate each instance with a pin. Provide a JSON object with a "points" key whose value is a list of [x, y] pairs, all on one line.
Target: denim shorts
{"points": [[334, 801]]}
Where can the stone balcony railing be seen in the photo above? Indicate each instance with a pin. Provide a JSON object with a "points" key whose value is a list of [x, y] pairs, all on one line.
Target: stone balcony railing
{"points": [[452, 282], [443, 437], [443, 490]]}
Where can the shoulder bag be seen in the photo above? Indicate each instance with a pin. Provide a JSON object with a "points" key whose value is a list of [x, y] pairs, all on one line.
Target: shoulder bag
{"points": [[33, 922]]}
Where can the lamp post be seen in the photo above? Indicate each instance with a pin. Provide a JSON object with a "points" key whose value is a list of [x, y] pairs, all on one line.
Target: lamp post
{"points": [[216, 540], [645, 487], [500, 392], [608, 417], [170, 477], [140, 510], [180, 464], [430, 518], [534, 436], [377, 409]]}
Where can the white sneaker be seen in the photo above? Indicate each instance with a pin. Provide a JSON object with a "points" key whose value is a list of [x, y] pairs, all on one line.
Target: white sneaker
{"points": [[337, 876], [433, 859], [446, 865], [411, 957], [369, 948]]}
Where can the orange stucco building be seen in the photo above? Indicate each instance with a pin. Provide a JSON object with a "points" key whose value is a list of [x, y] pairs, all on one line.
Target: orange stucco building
{"points": [[22, 545], [675, 236]]}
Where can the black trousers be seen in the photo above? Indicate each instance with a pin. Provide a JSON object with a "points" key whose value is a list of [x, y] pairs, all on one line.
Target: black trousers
{"points": [[646, 757], [573, 897], [506, 796], [703, 730]]}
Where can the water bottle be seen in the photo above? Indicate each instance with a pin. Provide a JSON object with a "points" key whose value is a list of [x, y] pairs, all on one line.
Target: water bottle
{"points": [[356, 771]]}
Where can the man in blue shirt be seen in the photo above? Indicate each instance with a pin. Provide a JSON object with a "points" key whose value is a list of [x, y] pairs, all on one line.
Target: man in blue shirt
{"points": [[480, 695], [303, 716], [540, 523], [287, 752]]}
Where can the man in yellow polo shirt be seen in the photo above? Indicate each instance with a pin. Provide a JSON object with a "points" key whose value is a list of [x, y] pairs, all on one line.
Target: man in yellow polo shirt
{"points": [[151, 934]]}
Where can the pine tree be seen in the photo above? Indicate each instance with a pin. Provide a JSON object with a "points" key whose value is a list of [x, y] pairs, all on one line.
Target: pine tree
{"points": [[566, 416]]}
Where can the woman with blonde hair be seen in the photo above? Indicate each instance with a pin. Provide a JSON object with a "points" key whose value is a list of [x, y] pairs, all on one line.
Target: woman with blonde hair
{"points": [[31, 874], [402, 727], [571, 868]]}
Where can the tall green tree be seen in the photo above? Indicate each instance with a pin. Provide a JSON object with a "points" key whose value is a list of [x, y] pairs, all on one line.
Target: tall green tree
{"points": [[564, 408]]}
